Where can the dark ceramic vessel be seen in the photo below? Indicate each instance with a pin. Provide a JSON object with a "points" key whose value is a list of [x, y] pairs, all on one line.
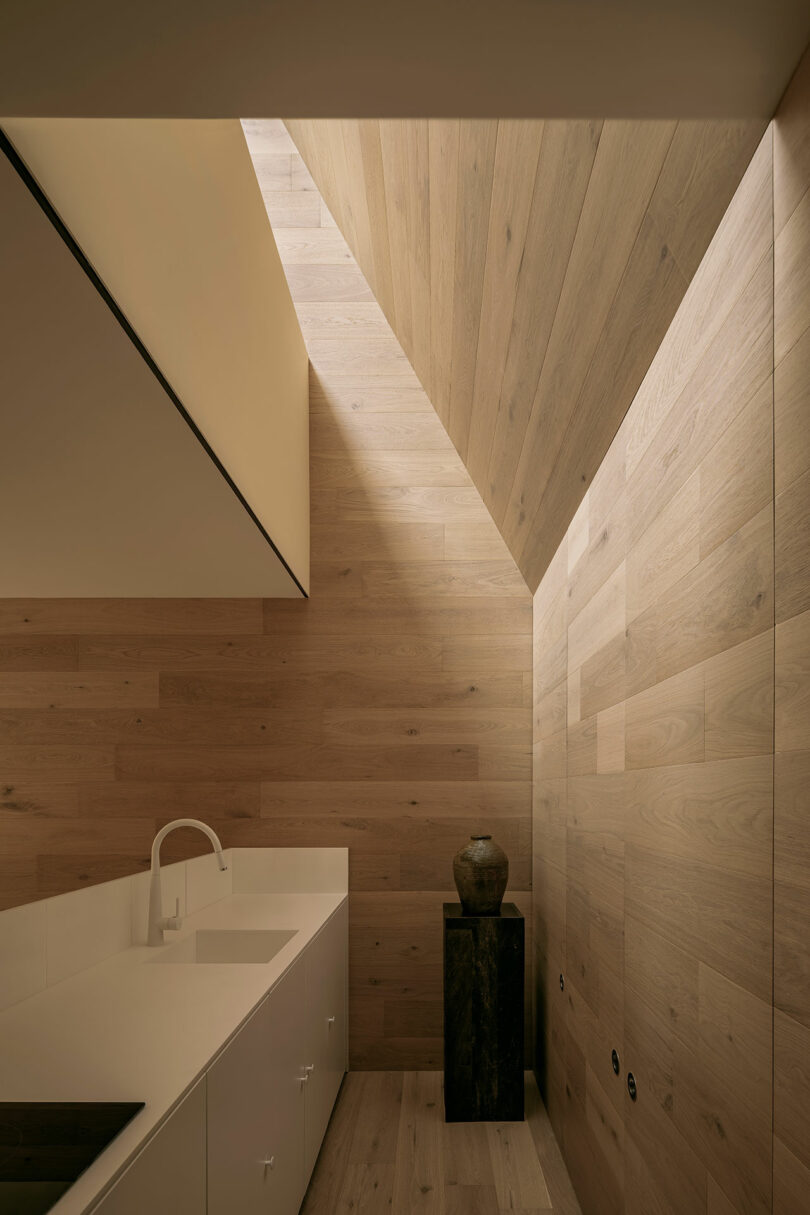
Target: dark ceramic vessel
{"points": [[481, 871]]}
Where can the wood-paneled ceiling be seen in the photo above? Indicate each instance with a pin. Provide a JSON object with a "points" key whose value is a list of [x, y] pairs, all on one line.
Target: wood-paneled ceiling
{"points": [[530, 270]]}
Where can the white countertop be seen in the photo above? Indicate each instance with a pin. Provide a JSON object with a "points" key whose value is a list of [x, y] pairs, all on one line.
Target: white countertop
{"points": [[126, 1030]]}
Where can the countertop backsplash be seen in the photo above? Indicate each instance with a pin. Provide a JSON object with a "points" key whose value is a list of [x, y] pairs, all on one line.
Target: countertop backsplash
{"points": [[44, 942]]}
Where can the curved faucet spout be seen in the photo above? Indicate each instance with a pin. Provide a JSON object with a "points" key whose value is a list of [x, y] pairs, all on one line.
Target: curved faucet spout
{"points": [[157, 921]]}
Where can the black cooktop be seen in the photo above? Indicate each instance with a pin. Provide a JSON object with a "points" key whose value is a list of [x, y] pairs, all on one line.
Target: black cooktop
{"points": [[45, 1146]]}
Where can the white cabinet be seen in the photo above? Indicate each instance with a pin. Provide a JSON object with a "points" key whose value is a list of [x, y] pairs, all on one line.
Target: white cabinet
{"points": [[168, 1176], [256, 1109], [271, 1091], [326, 1029]]}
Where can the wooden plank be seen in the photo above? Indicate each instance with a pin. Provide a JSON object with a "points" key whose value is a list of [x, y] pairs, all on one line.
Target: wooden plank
{"points": [[368, 133], [405, 505], [436, 616], [366, 356], [791, 1085], [601, 619], [667, 550], [101, 616], [85, 690], [406, 469], [393, 150], [738, 579], [703, 167], [307, 653], [732, 371], [472, 799], [476, 166], [791, 410], [328, 284], [343, 690], [739, 703], [517, 149], [665, 725], [791, 842], [791, 283], [458, 578], [57, 764], [790, 1181], [792, 721], [563, 171], [649, 292], [443, 153], [743, 239], [736, 482], [627, 164], [323, 320], [249, 763], [300, 176], [38, 653], [419, 1170], [288, 210], [309, 246], [792, 522], [380, 432]]}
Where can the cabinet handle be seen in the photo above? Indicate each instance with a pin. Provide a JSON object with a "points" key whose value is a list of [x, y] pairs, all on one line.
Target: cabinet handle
{"points": [[309, 1067], [330, 1020], [302, 1080], [269, 1162]]}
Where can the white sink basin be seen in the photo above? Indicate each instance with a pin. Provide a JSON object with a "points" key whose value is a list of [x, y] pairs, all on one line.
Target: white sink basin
{"points": [[240, 945]]}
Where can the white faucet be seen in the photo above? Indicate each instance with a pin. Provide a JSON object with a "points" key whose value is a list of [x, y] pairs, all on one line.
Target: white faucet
{"points": [[157, 920]]}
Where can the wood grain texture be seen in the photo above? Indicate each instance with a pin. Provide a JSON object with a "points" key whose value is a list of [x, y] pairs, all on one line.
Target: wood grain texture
{"points": [[655, 693], [390, 714], [388, 1150], [530, 270], [791, 1130]]}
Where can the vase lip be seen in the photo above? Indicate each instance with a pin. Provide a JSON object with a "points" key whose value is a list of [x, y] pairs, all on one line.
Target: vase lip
{"points": [[480, 837]]}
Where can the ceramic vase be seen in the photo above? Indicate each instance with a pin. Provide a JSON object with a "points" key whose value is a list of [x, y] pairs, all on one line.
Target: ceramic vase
{"points": [[480, 871]]}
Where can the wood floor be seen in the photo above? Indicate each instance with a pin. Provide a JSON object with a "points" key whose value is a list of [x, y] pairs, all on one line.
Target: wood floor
{"points": [[388, 1151]]}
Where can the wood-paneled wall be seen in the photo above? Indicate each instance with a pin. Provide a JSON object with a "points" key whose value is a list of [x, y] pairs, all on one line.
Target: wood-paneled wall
{"points": [[530, 271], [671, 735], [791, 1145], [390, 713], [653, 792]]}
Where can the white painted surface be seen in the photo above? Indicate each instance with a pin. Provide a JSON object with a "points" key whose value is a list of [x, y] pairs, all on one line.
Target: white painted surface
{"points": [[327, 1039], [171, 217], [83, 931], [205, 882], [169, 1174], [104, 489], [290, 870], [257, 1108], [127, 1031], [22, 953]]}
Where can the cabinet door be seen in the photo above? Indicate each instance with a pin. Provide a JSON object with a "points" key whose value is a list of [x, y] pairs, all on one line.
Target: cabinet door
{"points": [[326, 973], [256, 1103], [168, 1177]]}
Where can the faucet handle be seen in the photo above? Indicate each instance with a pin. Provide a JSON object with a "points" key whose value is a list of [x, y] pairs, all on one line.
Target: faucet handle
{"points": [[174, 921]]}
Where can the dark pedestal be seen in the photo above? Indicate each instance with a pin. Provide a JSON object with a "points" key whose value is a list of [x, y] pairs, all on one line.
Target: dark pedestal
{"points": [[483, 1015]]}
